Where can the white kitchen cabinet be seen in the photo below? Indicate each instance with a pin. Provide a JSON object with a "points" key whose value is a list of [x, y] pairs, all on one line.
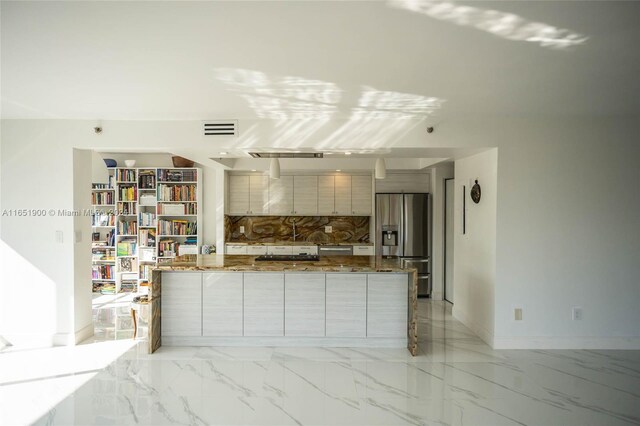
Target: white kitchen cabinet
{"points": [[235, 249], [346, 305], [387, 307], [238, 195], [363, 251], [304, 304], [342, 194], [281, 196], [263, 304], [305, 249], [361, 187], [334, 195], [258, 194], [305, 195], [248, 194], [279, 249], [222, 300], [256, 250], [181, 304]]}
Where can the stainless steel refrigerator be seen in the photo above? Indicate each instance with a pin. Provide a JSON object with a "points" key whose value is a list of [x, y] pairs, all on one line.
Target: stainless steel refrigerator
{"points": [[403, 229]]}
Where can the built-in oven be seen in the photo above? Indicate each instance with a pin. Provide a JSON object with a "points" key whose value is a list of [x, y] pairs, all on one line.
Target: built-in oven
{"points": [[335, 250]]}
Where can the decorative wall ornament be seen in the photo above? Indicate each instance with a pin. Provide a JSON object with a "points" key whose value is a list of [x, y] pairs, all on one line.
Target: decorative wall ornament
{"points": [[476, 193]]}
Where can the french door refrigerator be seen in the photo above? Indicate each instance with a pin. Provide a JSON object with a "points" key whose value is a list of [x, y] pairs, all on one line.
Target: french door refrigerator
{"points": [[403, 227]]}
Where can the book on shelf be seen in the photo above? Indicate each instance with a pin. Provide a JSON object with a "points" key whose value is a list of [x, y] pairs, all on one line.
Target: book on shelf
{"points": [[147, 179], [127, 207], [102, 219], [104, 287], [168, 248], [127, 227], [128, 286], [126, 247], [147, 219], [127, 192], [102, 197], [177, 227], [125, 175], [174, 175], [176, 192], [102, 272]]}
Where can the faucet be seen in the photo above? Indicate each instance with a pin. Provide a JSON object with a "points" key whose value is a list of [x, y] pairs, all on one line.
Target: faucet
{"points": [[294, 231]]}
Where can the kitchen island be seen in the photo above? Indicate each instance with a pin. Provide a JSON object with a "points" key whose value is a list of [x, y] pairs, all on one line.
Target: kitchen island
{"points": [[336, 301]]}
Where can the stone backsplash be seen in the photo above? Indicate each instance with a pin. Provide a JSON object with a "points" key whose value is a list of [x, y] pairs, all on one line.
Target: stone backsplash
{"points": [[269, 229]]}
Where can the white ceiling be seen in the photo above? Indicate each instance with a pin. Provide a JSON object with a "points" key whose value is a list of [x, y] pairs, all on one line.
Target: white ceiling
{"points": [[387, 59]]}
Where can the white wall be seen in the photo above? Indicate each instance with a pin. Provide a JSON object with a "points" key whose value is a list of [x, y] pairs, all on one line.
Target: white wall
{"points": [[474, 264], [438, 175], [566, 214]]}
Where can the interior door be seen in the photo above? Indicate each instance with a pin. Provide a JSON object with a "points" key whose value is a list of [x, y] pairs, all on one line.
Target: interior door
{"points": [[448, 239]]}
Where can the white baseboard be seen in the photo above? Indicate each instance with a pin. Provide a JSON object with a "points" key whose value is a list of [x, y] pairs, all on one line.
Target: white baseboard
{"points": [[437, 295], [84, 333], [545, 342], [327, 342], [480, 331], [70, 339]]}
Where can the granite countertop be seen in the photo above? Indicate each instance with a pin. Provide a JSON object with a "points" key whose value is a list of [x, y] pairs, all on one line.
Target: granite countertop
{"points": [[291, 243], [220, 262]]}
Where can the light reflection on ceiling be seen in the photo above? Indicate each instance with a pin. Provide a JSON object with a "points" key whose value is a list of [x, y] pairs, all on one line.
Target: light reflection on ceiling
{"points": [[284, 98], [501, 24], [300, 108]]}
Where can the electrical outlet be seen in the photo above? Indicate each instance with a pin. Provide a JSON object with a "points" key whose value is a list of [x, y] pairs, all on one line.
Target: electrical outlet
{"points": [[576, 313], [517, 314], [242, 229], [328, 229]]}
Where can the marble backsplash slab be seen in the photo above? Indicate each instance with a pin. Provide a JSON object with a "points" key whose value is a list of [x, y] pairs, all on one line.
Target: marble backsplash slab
{"points": [[311, 229]]}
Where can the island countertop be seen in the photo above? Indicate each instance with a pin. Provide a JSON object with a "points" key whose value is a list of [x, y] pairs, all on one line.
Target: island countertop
{"points": [[246, 263]]}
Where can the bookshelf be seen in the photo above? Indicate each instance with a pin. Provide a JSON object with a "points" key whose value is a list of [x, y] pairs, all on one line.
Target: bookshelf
{"points": [[142, 217]]}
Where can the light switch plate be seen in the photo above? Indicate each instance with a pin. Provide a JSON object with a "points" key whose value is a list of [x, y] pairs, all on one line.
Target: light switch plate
{"points": [[59, 237], [242, 229], [78, 235], [517, 314], [328, 229]]}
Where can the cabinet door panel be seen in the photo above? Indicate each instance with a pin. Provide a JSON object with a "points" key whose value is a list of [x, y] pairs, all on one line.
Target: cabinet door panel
{"points": [[387, 305], [263, 304], [326, 195], [346, 309], [281, 196], [361, 187], [304, 301], [238, 195], [342, 195], [259, 194], [222, 304], [181, 304], [305, 195]]}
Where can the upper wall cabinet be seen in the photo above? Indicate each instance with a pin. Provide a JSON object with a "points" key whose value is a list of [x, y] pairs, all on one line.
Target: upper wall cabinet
{"points": [[305, 195], [361, 188], [301, 195], [281, 196], [248, 194], [334, 195]]}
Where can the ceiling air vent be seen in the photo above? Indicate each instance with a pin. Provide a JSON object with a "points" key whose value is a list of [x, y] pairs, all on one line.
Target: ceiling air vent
{"points": [[286, 154], [220, 128]]}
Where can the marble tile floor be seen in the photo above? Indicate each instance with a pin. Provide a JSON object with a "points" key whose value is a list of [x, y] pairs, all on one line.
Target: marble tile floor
{"points": [[455, 380]]}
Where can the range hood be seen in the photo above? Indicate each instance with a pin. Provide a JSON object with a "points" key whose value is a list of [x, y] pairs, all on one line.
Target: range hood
{"points": [[286, 154]]}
